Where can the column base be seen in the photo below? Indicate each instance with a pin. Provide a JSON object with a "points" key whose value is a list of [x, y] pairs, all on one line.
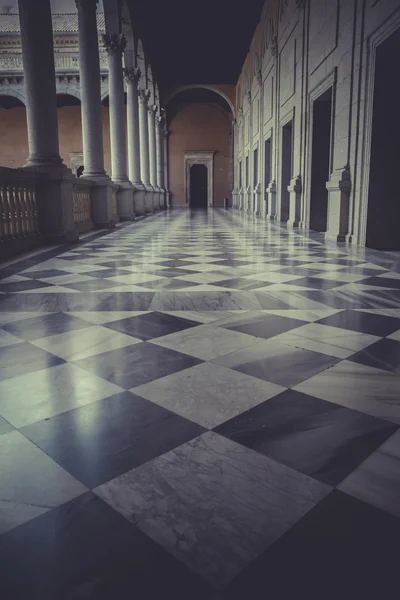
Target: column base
{"points": [[139, 199], [125, 204], [55, 204], [102, 203], [341, 237], [149, 203]]}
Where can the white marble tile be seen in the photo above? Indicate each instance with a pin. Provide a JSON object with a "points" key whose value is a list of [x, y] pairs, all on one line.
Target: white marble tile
{"points": [[208, 394], [205, 342], [333, 341], [64, 279], [52, 289], [199, 316], [377, 479], [340, 276], [304, 315], [366, 389], [273, 277], [81, 343], [369, 265], [395, 336], [134, 278], [204, 277], [165, 301], [389, 275], [51, 392], [213, 504], [7, 339], [31, 482], [14, 279]]}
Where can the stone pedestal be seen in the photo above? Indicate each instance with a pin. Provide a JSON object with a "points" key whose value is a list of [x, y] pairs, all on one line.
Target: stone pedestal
{"points": [[126, 207], [339, 187], [264, 203], [102, 203], [294, 189], [257, 200], [248, 194], [241, 199], [139, 197], [149, 199], [272, 201], [55, 205]]}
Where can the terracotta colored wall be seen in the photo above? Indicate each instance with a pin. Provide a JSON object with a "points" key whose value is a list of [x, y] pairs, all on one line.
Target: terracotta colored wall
{"points": [[199, 127], [14, 137]]}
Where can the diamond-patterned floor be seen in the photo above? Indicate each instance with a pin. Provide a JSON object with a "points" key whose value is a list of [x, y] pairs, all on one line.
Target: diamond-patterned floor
{"points": [[199, 406]]}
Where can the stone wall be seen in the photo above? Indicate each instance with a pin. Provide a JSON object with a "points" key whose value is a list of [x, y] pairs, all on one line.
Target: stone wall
{"points": [[14, 137], [300, 50], [199, 127]]}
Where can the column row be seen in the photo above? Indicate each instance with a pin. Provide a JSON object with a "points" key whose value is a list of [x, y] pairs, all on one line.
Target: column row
{"points": [[136, 179]]}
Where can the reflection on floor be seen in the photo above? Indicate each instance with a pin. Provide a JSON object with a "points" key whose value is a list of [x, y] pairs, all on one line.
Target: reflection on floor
{"points": [[200, 406]]}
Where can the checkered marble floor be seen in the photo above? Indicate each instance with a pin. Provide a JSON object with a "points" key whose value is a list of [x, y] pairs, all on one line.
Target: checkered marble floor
{"points": [[199, 406]]}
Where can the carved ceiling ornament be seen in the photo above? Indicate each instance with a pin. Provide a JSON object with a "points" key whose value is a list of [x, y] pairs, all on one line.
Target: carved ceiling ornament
{"points": [[114, 42], [269, 33], [259, 77]]}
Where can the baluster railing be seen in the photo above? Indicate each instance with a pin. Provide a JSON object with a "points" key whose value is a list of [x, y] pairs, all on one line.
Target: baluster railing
{"points": [[82, 206], [18, 205]]}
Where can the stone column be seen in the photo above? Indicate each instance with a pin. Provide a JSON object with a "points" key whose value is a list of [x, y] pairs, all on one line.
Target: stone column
{"points": [[115, 45], [339, 188], [132, 77], [152, 115], [92, 123], [166, 172], [160, 160], [56, 216], [144, 96], [294, 188]]}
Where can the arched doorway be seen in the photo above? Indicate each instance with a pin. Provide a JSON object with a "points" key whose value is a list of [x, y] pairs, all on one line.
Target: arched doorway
{"points": [[13, 131], [199, 124]]}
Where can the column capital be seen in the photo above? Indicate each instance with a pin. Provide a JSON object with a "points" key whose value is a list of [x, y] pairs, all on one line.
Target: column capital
{"points": [[132, 74], [144, 95], [166, 133], [114, 42], [153, 109], [259, 77]]}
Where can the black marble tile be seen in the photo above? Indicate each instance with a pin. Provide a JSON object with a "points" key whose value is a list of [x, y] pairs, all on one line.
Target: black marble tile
{"points": [[44, 326], [317, 438], [75, 302], [315, 283], [167, 284], [233, 263], [25, 358], [22, 286], [104, 439], [288, 369], [5, 426], [241, 283], [268, 326], [137, 365], [151, 325], [388, 282], [384, 354], [86, 550], [173, 264], [343, 548], [363, 322], [172, 272], [81, 257], [45, 273]]}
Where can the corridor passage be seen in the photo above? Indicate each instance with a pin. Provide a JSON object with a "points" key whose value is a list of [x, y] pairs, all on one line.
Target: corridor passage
{"points": [[199, 406]]}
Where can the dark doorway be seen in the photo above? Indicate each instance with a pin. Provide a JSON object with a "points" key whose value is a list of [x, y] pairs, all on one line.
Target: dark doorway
{"points": [[267, 171], [286, 173], [383, 195], [320, 160], [198, 186]]}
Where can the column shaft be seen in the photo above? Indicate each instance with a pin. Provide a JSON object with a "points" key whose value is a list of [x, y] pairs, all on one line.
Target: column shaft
{"points": [[144, 137], [159, 146], [89, 65], [132, 77], [40, 83], [152, 145], [115, 45]]}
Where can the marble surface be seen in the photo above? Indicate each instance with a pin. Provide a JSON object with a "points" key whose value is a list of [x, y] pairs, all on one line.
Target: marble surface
{"points": [[377, 479], [52, 391], [205, 342], [213, 504], [333, 341], [208, 394], [369, 390], [31, 482]]}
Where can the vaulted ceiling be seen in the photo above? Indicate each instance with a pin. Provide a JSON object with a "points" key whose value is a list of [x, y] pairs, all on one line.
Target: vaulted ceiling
{"points": [[203, 41]]}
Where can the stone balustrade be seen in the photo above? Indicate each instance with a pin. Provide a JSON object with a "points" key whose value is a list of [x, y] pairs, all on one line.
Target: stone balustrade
{"points": [[82, 199]]}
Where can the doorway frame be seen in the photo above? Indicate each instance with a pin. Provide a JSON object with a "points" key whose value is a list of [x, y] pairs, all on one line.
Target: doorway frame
{"points": [[358, 216], [200, 157]]}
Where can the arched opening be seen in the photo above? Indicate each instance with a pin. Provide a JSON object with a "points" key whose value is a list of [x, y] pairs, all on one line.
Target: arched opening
{"points": [[13, 131], [199, 121]]}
